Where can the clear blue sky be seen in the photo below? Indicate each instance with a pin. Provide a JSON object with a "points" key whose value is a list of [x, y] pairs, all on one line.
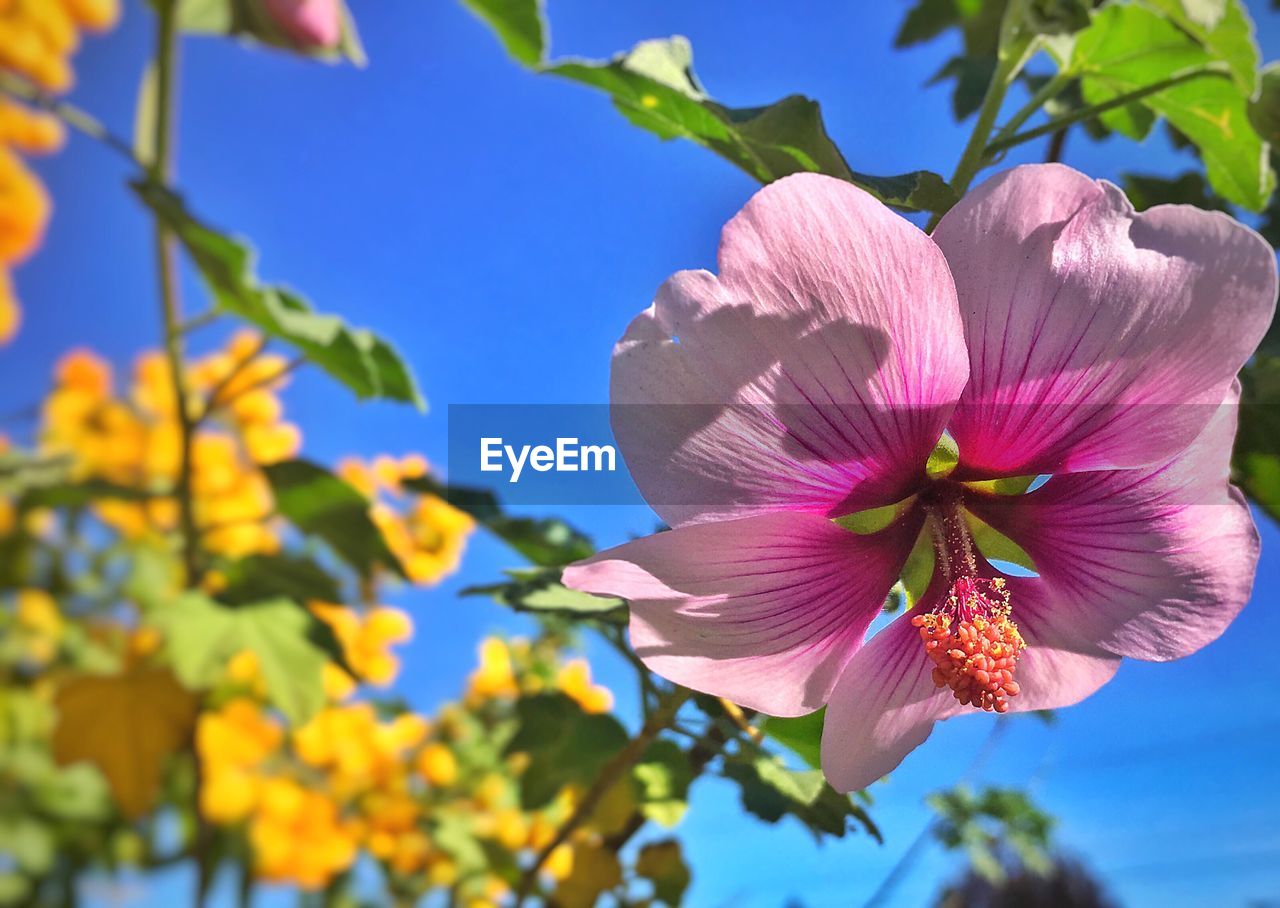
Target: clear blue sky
{"points": [[503, 229]]}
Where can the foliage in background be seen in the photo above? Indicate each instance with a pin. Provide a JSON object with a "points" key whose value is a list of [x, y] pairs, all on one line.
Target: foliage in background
{"points": [[195, 650]]}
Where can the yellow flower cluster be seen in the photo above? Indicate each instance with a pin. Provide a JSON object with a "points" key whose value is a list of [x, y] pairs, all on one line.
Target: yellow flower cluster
{"points": [[496, 678], [366, 643], [134, 440], [37, 40], [354, 780], [425, 532]]}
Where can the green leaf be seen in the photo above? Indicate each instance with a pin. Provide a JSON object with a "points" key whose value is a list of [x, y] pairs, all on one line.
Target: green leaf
{"points": [[654, 86], [1128, 48], [771, 791], [362, 361], [927, 20], [802, 735], [291, 644], [982, 824], [1264, 110], [28, 843], [663, 776], [565, 745], [518, 25], [548, 543], [1190, 188], [320, 504], [1223, 28], [286, 575], [663, 864], [540, 590]]}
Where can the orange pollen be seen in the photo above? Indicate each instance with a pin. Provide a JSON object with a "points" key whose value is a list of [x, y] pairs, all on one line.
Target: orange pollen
{"points": [[973, 644]]}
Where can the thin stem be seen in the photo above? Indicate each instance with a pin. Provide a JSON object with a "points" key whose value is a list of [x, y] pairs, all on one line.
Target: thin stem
{"points": [[1042, 96], [622, 761], [161, 171], [291, 366], [1057, 143], [196, 322], [1016, 47], [28, 92], [1215, 69], [166, 258]]}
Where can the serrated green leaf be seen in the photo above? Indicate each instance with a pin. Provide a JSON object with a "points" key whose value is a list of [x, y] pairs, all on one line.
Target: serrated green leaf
{"points": [[291, 644], [565, 745], [321, 504], [1223, 28], [655, 87], [1128, 48], [362, 361]]}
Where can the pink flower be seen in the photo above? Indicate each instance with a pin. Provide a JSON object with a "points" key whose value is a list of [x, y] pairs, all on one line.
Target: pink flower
{"points": [[308, 23], [1050, 330]]}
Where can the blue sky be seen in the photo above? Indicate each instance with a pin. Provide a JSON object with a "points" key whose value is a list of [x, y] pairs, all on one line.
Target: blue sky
{"points": [[503, 229]]}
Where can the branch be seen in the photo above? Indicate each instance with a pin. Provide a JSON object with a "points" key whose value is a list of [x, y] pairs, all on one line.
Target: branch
{"points": [[658, 720], [28, 92], [1214, 69]]}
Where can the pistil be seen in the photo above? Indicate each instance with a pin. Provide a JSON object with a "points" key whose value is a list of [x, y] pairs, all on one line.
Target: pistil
{"points": [[969, 635]]}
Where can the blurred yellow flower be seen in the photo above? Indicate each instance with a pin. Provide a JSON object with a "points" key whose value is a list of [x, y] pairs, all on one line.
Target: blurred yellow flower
{"points": [[574, 679], [438, 765], [37, 39]]}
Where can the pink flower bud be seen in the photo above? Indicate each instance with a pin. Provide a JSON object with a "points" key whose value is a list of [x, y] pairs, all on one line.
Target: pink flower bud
{"points": [[308, 23]]}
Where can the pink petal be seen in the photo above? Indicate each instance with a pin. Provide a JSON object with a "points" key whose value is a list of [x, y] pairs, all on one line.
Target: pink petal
{"points": [[1147, 563], [1095, 334], [885, 704], [883, 707], [762, 610], [814, 374]]}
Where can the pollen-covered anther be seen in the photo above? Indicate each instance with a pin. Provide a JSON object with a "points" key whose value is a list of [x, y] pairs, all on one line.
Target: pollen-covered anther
{"points": [[973, 643]]}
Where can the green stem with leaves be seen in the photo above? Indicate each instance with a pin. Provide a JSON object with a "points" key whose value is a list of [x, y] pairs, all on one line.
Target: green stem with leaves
{"points": [[1209, 70], [1015, 49], [659, 720], [20, 89], [161, 171], [1046, 93]]}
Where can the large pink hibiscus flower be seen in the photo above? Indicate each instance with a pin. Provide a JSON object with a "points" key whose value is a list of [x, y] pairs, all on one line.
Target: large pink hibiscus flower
{"points": [[1049, 329]]}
